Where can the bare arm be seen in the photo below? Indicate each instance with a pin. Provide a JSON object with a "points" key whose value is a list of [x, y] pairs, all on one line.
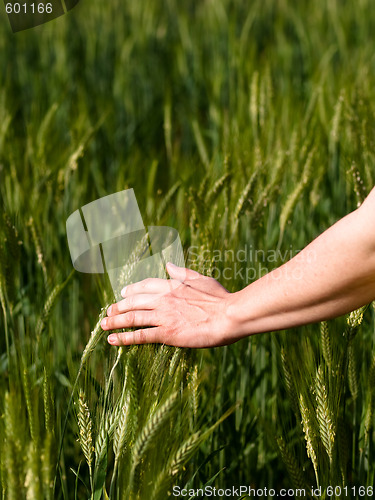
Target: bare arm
{"points": [[333, 275]]}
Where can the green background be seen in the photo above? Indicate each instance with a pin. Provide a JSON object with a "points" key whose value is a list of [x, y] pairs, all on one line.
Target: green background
{"points": [[237, 123]]}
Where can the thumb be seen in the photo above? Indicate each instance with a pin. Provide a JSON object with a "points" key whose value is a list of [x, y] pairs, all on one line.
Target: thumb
{"points": [[181, 273]]}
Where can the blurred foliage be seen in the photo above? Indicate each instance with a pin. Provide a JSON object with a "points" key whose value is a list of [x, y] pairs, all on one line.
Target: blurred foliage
{"points": [[244, 125]]}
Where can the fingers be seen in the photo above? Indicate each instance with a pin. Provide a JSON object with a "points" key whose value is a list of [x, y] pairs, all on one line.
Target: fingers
{"points": [[196, 280], [129, 320], [150, 285], [133, 302], [162, 286], [182, 273], [143, 336]]}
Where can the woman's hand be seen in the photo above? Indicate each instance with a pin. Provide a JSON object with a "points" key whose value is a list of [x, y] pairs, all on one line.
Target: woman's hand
{"points": [[189, 310]]}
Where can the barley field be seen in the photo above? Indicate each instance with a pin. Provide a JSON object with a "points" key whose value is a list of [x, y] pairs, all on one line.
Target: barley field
{"points": [[247, 125]]}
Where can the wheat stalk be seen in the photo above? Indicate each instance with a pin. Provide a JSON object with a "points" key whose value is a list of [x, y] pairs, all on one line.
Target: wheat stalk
{"points": [[296, 193], [122, 430], [30, 406], [334, 134], [326, 343], [343, 447], [310, 436], [105, 434], [291, 463], [289, 382], [134, 392], [148, 434], [47, 403], [253, 105], [85, 428], [50, 303], [217, 188], [85, 431], [176, 464], [141, 248], [39, 251], [244, 200], [324, 414], [95, 337], [193, 385], [352, 371], [167, 200], [151, 428], [354, 321]]}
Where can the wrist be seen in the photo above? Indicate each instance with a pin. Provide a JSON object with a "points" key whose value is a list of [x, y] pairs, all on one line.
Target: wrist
{"points": [[238, 317]]}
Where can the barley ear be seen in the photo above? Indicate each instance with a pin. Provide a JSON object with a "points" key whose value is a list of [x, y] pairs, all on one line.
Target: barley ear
{"points": [[289, 382], [48, 403], [217, 188], [352, 371], [95, 336], [324, 414], [354, 321], [167, 200], [85, 429], [294, 197], [49, 305], [291, 463], [30, 406], [310, 435], [39, 251], [153, 424], [175, 465], [122, 430], [326, 343], [193, 395]]}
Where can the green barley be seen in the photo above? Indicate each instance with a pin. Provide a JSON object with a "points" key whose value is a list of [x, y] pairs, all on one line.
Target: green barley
{"points": [[324, 414], [310, 435], [85, 430]]}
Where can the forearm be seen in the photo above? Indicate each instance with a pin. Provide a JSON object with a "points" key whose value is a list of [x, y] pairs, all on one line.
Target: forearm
{"points": [[332, 276]]}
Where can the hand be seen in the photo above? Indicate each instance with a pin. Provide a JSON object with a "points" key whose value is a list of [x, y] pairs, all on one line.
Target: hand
{"points": [[188, 310]]}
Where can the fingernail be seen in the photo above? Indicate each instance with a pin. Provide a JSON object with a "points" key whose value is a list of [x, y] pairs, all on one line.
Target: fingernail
{"points": [[104, 322], [173, 266], [123, 292], [112, 339], [109, 310]]}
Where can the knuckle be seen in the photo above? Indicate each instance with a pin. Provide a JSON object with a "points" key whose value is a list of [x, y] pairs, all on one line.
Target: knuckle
{"points": [[121, 338], [130, 316], [173, 285], [141, 336], [145, 283]]}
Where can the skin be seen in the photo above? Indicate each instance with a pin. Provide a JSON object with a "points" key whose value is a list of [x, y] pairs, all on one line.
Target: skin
{"points": [[333, 275]]}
